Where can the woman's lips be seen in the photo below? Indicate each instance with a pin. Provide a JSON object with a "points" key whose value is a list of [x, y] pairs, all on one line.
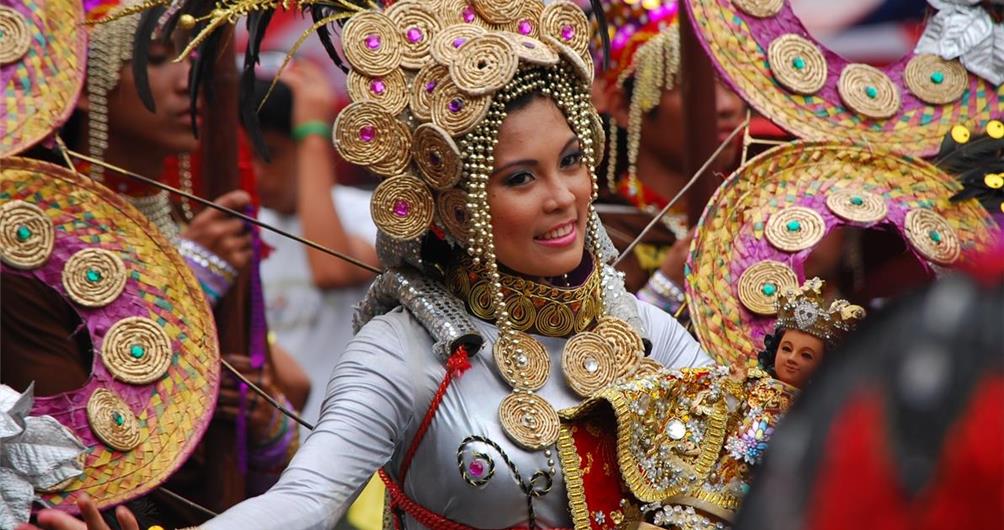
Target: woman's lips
{"points": [[562, 236]]}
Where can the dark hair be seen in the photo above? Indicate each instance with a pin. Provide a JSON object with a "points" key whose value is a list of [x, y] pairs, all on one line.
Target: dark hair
{"points": [[766, 357], [276, 112]]}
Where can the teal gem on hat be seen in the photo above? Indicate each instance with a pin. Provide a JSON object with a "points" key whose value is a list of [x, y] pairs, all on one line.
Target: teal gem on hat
{"points": [[769, 289], [935, 236], [119, 418], [798, 62], [938, 77], [23, 233], [137, 351], [857, 200], [871, 92], [794, 225], [93, 276]]}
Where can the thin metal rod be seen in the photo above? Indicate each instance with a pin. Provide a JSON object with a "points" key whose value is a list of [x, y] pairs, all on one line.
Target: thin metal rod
{"points": [[271, 401], [235, 213], [679, 194], [679, 312], [192, 504]]}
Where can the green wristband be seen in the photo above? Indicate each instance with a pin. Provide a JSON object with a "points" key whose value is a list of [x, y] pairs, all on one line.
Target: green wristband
{"points": [[310, 128]]}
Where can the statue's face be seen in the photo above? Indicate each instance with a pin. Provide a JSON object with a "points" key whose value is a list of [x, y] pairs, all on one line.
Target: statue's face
{"points": [[798, 355]]}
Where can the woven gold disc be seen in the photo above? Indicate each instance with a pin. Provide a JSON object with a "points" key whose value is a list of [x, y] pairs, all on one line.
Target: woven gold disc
{"points": [[402, 207], [647, 367], [531, 50], [797, 64], [857, 206], [566, 22], [15, 38], [418, 25], [932, 236], [424, 86], [761, 283], [399, 157], [529, 420], [578, 62], [934, 80], [26, 235], [555, 319], [455, 12], [136, 350], [112, 421], [522, 361], [94, 277], [496, 11], [448, 43], [482, 303], [522, 312], [759, 8], [484, 65], [625, 342], [372, 44], [868, 91], [528, 21], [588, 363], [364, 133], [438, 156], [389, 91], [457, 112], [795, 228]]}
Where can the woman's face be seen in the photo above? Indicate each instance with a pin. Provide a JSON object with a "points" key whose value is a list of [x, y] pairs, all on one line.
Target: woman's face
{"points": [[539, 192], [798, 355], [170, 128]]}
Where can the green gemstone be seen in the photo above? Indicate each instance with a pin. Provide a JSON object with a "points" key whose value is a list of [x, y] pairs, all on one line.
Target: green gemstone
{"points": [[93, 276], [23, 233], [935, 236], [794, 225], [119, 419], [137, 351], [871, 92], [798, 63], [857, 201], [769, 289], [938, 77]]}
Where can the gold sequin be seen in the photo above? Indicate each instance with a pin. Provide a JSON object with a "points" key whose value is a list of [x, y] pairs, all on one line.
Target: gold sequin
{"points": [[94, 277], [795, 228], [136, 350], [761, 283], [26, 235], [112, 421], [932, 236]]}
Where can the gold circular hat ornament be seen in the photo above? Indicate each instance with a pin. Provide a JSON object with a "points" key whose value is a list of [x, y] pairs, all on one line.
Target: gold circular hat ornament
{"points": [[498, 12], [856, 206], [760, 284], [932, 236], [26, 235], [456, 111], [372, 44], [565, 22], [795, 228], [423, 87], [389, 91], [453, 214], [531, 50], [364, 133], [399, 157], [438, 156], [578, 62], [797, 64], [15, 38], [402, 207], [523, 361], [484, 65], [935, 80], [588, 363], [529, 420], [868, 91], [526, 23], [759, 8], [647, 367], [94, 277], [136, 350], [448, 43], [418, 25], [112, 421]]}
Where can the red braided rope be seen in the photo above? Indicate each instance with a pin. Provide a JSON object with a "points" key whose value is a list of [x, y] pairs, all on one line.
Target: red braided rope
{"points": [[428, 519], [457, 364]]}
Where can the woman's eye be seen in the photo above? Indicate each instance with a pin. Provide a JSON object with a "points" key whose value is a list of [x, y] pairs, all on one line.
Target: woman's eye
{"points": [[518, 179], [786, 349], [571, 159], [807, 356]]}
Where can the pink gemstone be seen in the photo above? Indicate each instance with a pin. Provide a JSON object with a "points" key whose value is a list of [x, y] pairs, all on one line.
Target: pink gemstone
{"points": [[476, 468], [373, 41], [367, 133], [415, 35], [430, 86], [377, 86], [456, 105], [458, 42], [525, 27], [468, 14], [567, 32], [402, 208]]}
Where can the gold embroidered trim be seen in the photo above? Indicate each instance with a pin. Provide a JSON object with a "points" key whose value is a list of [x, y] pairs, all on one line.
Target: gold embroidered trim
{"points": [[571, 464]]}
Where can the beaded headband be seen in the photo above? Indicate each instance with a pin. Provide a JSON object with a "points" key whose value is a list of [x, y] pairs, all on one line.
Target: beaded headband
{"points": [[804, 310]]}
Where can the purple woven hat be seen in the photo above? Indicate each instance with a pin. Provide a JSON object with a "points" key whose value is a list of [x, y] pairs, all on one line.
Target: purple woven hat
{"points": [[763, 222], [156, 367], [765, 53]]}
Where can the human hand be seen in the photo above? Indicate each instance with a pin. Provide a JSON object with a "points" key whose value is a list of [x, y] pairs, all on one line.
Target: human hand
{"points": [[222, 234], [313, 95], [260, 413], [57, 520], [676, 258]]}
